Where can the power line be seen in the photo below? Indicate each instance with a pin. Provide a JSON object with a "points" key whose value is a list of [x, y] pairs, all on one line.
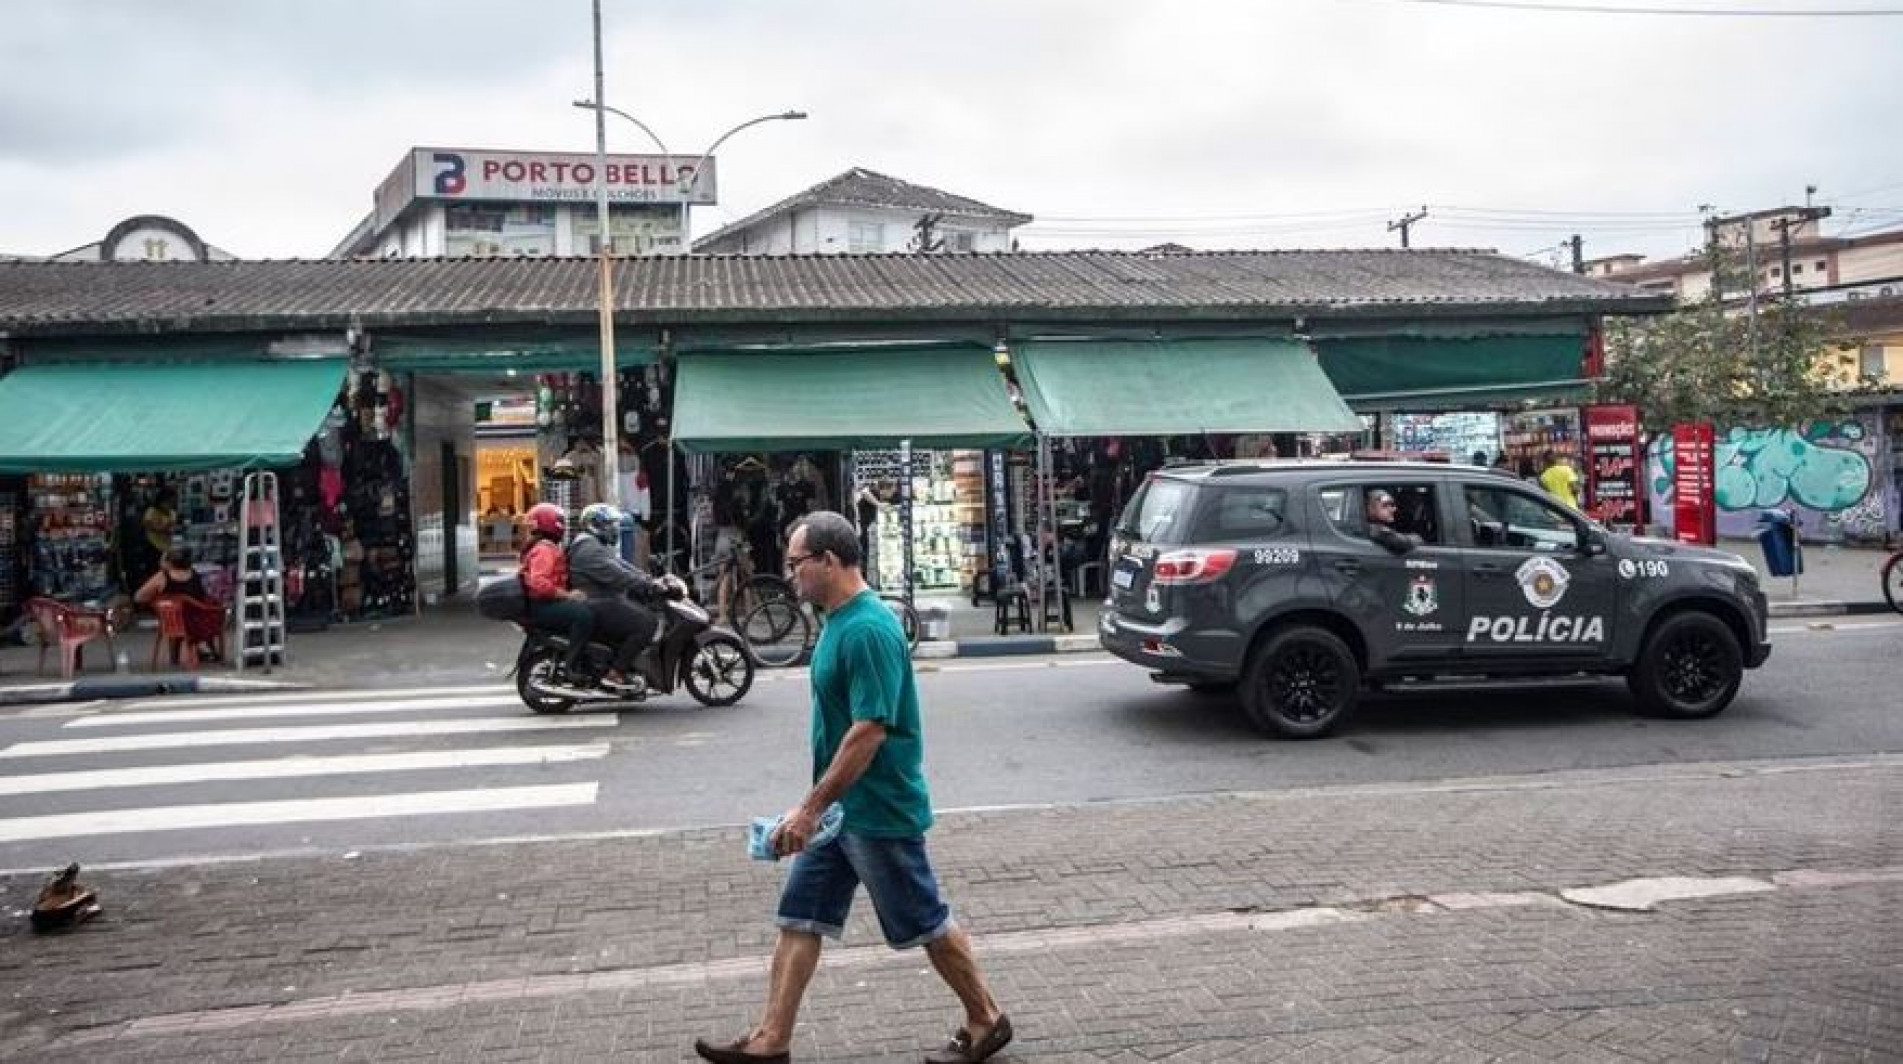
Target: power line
{"points": [[1706, 12]]}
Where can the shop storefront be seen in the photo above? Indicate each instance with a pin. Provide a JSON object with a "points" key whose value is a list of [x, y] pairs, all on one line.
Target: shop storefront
{"points": [[892, 435], [116, 462]]}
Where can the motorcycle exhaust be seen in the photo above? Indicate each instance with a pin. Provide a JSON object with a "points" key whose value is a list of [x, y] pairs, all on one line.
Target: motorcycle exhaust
{"points": [[579, 694]]}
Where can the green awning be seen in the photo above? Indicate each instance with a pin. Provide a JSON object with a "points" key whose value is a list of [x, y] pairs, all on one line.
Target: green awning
{"points": [[1397, 366], [162, 418], [501, 353], [1177, 387], [1556, 393], [844, 399]]}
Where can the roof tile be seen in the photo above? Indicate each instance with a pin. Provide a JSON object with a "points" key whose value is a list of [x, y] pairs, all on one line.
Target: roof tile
{"points": [[53, 298]]}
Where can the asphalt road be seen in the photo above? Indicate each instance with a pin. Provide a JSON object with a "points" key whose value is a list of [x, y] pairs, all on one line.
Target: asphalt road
{"points": [[386, 771]]}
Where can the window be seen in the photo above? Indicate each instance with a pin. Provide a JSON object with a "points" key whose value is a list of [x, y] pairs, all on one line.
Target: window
{"points": [[1870, 361], [1822, 266], [1414, 509], [1243, 513], [865, 237], [1796, 268], [1158, 512], [957, 241], [1335, 504], [1503, 518], [1778, 271]]}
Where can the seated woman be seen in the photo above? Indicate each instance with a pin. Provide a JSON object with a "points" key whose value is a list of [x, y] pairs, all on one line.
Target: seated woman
{"points": [[204, 617]]}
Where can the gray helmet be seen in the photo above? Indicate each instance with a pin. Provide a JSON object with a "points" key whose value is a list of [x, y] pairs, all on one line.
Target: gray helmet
{"points": [[603, 522]]}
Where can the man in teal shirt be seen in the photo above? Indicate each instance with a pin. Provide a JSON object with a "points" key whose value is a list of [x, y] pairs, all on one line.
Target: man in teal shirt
{"points": [[868, 754]]}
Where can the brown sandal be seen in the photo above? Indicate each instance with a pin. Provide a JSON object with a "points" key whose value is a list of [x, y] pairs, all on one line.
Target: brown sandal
{"points": [[736, 1053], [961, 1050]]}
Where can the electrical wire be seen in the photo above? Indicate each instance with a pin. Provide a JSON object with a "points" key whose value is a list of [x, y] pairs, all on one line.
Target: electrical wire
{"points": [[1705, 12]]}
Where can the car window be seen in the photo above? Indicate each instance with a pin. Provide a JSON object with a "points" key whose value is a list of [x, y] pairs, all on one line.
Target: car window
{"points": [[1513, 520], [1341, 509], [1243, 513], [1415, 512], [1159, 512]]}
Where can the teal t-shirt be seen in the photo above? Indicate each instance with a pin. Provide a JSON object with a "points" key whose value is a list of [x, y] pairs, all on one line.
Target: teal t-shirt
{"points": [[862, 670]]}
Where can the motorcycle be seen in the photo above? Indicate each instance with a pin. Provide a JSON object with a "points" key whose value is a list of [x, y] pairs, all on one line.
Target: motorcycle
{"points": [[687, 649]]}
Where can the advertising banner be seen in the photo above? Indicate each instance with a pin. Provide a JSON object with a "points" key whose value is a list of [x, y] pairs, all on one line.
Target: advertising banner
{"points": [[466, 175], [1614, 471], [1694, 505]]}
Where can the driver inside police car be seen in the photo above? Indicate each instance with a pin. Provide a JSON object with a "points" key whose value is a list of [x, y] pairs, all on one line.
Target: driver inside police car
{"points": [[1379, 506]]}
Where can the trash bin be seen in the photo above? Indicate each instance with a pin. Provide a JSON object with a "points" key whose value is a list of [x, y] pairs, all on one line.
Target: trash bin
{"points": [[1777, 534], [934, 622]]}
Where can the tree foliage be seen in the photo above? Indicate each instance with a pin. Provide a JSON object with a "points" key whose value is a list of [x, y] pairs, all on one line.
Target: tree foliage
{"points": [[1711, 361]]}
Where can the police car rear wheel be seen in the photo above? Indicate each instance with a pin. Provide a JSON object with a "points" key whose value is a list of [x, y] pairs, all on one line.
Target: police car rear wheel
{"points": [[1301, 684], [1691, 667]]}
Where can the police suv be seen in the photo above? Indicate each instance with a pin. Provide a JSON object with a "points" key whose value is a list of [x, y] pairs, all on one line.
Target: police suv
{"points": [[1263, 578]]}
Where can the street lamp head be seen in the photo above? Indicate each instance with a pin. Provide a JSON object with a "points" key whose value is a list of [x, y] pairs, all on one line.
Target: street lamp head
{"points": [[586, 105], [794, 116]]}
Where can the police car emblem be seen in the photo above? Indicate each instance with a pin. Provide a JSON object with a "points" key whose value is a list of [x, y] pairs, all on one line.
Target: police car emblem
{"points": [[1544, 581], [1423, 597]]}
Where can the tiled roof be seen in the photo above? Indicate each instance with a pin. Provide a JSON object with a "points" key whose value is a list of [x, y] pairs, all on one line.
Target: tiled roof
{"points": [[42, 298], [859, 187]]}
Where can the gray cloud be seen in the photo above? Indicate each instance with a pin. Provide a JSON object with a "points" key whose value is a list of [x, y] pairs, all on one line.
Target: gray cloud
{"points": [[266, 124]]}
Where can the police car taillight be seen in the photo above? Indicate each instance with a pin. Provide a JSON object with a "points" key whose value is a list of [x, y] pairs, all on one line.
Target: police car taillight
{"points": [[1192, 566]]}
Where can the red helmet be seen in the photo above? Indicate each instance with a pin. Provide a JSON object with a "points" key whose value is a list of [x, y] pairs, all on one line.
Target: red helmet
{"points": [[547, 519]]}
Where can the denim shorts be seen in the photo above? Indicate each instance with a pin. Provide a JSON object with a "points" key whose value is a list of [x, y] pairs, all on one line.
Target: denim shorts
{"points": [[897, 875]]}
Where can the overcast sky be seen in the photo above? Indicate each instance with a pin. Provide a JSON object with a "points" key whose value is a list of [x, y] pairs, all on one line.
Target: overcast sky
{"points": [[265, 124]]}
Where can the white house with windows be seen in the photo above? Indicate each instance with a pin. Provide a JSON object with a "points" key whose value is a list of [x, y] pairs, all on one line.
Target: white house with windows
{"points": [[862, 212]]}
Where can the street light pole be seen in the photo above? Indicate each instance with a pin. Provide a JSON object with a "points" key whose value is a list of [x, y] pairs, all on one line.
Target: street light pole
{"points": [[610, 405], [686, 188], [693, 182]]}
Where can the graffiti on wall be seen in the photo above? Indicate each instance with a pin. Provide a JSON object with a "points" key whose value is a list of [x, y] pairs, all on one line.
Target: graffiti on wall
{"points": [[1826, 473]]}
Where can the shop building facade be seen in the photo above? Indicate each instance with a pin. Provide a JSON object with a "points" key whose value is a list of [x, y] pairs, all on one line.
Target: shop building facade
{"points": [[862, 212], [1016, 387], [467, 202]]}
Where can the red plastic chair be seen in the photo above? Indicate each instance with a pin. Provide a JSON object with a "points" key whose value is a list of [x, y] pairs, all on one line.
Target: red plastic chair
{"points": [[175, 634], [70, 626]]}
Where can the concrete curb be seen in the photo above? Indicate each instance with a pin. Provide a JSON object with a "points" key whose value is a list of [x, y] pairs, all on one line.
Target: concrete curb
{"points": [[119, 686], [1825, 608]]}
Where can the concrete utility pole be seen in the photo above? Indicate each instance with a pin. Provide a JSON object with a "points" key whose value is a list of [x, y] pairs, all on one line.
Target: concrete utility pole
{"points": [[1751, 269], [610, 404], [1405, 221], [1783, 226], [1579, 253]]}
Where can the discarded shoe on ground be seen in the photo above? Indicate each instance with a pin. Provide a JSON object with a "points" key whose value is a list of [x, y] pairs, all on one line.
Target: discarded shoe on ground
{"points": [[64, 902]]}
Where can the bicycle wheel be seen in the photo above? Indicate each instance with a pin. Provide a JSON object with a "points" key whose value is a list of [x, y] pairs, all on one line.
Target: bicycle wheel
{"points": [[776, 632], [761, 587], [908, 620], [1893, 581]]}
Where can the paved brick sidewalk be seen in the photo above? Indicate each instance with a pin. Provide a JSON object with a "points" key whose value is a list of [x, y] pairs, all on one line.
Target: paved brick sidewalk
{"points": [[1287, 925]]}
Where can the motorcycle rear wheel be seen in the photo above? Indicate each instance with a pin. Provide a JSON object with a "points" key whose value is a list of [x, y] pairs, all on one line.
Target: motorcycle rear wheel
{"points": [[540, 669], [721, 671]]}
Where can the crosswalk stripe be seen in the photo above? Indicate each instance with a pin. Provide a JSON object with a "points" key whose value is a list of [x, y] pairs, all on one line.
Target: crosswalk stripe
{"points": [[287, 709], [324, 696], [232, 814], [308, 734], [294, 767]]}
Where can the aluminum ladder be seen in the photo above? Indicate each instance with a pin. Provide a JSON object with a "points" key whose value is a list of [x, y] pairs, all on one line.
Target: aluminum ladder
{"points": [[259, 618]]}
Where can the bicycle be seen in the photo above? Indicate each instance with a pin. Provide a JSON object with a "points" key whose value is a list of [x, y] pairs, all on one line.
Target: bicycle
{"points": [[781, 632], [1892, 579], [747, 593]]}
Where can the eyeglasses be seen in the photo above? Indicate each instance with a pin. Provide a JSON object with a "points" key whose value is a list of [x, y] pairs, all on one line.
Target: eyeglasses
{"points": [[794, 561]]}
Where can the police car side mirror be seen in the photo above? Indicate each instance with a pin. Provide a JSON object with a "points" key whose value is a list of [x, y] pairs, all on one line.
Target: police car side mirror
{"points": [[1592, 543]]}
